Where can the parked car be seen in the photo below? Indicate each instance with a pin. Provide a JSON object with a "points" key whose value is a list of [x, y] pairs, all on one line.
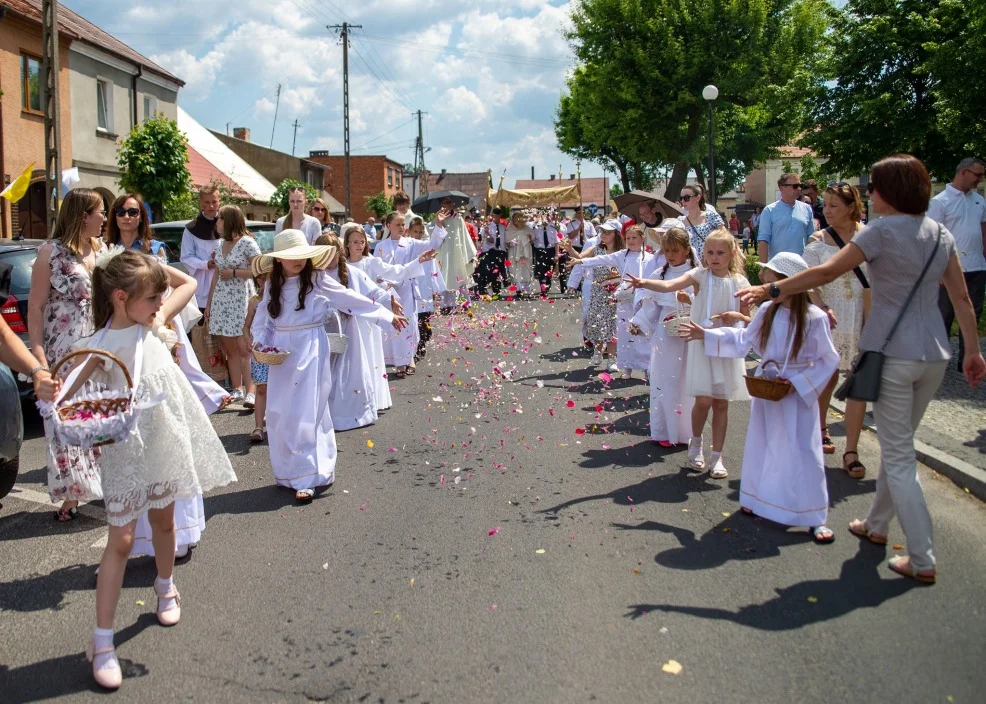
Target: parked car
{"points": [[16, 264], [11, 419], [170, 233]]}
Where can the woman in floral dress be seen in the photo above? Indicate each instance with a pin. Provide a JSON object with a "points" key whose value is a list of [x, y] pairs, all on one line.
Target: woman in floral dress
{"points": [[229, 298], [59, 314], [700, 218]]}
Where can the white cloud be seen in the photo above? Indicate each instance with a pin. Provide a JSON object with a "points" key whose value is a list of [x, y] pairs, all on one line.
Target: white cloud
{"points": [[462, 105]]}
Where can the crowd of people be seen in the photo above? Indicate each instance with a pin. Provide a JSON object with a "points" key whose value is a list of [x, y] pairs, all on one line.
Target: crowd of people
{"points": [[309, 329]]}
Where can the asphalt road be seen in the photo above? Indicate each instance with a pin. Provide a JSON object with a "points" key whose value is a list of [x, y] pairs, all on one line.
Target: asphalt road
{"points": [[482, 551]]}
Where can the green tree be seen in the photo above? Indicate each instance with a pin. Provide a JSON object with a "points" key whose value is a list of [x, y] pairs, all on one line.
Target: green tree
{"points": [[616, 190], [902, 80], [153, 162], [650, 59], [279, 201], [379, 204]]}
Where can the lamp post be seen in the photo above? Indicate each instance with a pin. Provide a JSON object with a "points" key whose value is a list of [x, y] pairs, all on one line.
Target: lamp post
{"points": [[710, 93]]}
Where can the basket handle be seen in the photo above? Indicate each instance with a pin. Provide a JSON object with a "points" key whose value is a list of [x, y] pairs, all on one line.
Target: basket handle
{"points": [[74, 375]]}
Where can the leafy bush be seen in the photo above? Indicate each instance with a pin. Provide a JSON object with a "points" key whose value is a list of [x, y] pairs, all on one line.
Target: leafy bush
{"points": [[379, 204], [153, 162], [753, 269], [279, 200]]}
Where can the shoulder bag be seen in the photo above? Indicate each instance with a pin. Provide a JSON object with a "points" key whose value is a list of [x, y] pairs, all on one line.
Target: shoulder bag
{"points": [[863, 381], [867, 297]]}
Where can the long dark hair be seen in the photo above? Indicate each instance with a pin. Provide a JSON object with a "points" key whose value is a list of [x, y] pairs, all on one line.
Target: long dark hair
{"points": [[799, 311], [143, 226], [277, 279]]}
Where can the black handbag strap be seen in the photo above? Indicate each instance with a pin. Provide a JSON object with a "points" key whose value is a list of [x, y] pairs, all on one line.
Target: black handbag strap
{"points": [[914, 290], [838, 240]]}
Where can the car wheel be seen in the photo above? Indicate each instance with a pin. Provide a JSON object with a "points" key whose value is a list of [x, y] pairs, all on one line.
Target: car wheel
{"points": [[8, 475]]}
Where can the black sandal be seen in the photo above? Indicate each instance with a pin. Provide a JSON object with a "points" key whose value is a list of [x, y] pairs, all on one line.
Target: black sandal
{"points": [[855, 469], [65, 515]]}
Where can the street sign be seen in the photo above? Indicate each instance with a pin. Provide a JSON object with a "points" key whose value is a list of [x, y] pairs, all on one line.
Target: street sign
{"points": [[592, 208]]}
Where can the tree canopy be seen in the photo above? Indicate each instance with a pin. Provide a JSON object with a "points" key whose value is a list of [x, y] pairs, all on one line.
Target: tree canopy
{"points": [[153, 162], [636, 95], [279, 200], [379, 204]]}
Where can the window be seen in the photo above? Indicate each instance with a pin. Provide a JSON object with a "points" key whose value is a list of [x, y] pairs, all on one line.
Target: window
{"points": [[31, 84], [390, 176], [104, 105], [310, 176], [150, 107]]}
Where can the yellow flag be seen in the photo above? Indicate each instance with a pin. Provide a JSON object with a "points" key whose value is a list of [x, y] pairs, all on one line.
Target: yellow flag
{"points": [[18, 187]]}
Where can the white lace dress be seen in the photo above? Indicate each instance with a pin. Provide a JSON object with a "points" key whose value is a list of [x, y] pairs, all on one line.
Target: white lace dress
{"points": [[176, 452], [845, 297]]}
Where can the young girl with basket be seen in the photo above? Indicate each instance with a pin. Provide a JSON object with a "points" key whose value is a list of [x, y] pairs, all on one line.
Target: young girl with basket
{"points": [[290, 325], [163, 445], [712, 381], [783, 476], [659, 317]]}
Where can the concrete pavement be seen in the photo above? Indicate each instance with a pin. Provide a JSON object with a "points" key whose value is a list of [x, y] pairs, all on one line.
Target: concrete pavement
{"points": [[483, 551]]}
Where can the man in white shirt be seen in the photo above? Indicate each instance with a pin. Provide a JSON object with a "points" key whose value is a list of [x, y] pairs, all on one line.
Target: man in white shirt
{"points": [[545, 249], [493, 260], [962, 211], [198, 244], [579, 229]]}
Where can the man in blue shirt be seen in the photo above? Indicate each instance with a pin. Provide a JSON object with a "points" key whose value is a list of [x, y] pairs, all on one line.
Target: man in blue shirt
{"points": [[785, 225]]}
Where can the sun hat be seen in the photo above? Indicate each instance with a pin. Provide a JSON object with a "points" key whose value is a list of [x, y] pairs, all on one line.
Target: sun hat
{"points": [[612, 224], [786, 264], [292, 244]]}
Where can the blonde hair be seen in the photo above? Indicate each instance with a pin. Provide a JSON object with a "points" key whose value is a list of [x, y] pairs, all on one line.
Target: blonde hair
{"points": [[210, 189], [417, 220], [736, 262], [319, 201], [132, 272], [70, 225], [637, 230], [333, 241], [234, 224]]}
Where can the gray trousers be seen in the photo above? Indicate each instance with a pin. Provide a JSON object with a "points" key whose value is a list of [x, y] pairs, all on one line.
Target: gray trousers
{"points": [[906, 390]]}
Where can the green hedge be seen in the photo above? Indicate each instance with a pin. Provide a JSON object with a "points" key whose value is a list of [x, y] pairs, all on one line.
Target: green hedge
{"points": [[753, 269]]}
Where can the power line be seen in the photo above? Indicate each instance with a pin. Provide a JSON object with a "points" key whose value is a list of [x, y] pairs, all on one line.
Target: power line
{"points": [[383, 85], [370, 141], [506, 58]]}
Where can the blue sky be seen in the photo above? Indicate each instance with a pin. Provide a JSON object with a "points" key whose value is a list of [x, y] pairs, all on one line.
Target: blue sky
{"points": [[488, 74]]}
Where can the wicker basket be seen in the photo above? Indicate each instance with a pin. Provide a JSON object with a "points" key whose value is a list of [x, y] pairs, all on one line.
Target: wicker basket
{"points": [[95, 418], [767, 389], [338, 341], [672, 323], [273, 358]]}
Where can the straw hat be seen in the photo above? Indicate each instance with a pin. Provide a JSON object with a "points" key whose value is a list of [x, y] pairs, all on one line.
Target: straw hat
{"points": [[786, 264], [292, 244]]}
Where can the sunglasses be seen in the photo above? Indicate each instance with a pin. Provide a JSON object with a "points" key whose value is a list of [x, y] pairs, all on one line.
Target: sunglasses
{"points": [[317, 209], [977, 174], [685, 199], [296, 189], [132, 212]]}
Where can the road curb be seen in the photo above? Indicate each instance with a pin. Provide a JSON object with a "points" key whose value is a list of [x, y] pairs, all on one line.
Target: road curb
{"points": [[963, 474]]}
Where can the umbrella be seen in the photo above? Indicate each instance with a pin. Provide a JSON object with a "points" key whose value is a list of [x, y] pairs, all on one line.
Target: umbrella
{"points": [[431, 202], [628, 202]]}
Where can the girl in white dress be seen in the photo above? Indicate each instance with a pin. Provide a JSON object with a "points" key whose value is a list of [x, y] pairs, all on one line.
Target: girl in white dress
{"points": [[520, 252], [783, 476], [712, 381], [291, 316], [431, 283], [632, 352], [670, 406], [175, 451], [399, 349], [386, 276]]}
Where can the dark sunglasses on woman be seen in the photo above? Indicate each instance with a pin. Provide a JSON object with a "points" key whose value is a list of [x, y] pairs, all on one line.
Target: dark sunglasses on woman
{"points": [[685, 199], [132, 212]]}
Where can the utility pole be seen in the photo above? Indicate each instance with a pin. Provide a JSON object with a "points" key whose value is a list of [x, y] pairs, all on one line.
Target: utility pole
{"points": [[419, 155], [294, 140], [276, 106], [49, 86], [345, 27]]}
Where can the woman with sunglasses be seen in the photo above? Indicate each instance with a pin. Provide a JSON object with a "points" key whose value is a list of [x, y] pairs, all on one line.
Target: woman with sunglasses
{"points": [[297, 218], [700, 218], [128, 227], [320, 211]]}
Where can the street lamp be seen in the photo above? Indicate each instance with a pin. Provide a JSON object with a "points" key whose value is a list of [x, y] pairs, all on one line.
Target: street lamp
{"points": [[710, 93]]}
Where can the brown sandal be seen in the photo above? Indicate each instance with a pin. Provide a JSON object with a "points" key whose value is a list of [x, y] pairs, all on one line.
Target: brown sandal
{"points": [[257, 435], [828, 447], [861, 530], [901, 564], [855, 469]]}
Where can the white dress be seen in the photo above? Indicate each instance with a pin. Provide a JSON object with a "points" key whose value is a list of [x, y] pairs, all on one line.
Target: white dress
{"points": [[670, 406], [714, 376], [430, 283], [632, 351], [309, 225], [520, 253], [783, 476], [456, 258], [845, 297], [176, 452], [399, 347], [299, 424], [383, 274], [352, 401]]}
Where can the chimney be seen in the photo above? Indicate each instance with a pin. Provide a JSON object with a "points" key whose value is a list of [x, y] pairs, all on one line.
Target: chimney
{"points": [[551, 178], [571, 177], [318, 152], [241, 133]]}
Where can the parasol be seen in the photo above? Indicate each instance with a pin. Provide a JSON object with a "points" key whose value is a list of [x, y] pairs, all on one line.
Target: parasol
{"points": [[628, 202], [431, 202]]}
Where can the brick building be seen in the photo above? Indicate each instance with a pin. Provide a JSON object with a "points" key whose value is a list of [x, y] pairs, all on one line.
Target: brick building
{"points": [[473, 184], [370, 175]]}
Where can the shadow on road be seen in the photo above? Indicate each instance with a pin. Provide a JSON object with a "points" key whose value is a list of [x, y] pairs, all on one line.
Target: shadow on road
{"points": [[858, 586], [68, 674], [41, 592], [262, 499], [664, 489]]}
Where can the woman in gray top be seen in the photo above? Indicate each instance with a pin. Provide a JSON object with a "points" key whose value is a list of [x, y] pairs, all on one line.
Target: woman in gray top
{"points": [[897, 247]]}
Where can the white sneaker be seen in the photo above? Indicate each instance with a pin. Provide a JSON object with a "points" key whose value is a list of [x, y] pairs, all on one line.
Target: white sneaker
{"points": [[249, 401], [613, 367], [237, 395], [596, 359], [695, 457]]}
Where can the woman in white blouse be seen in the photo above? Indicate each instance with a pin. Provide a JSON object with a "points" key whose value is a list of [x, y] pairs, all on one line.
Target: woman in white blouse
{"points": [[297, 218]]}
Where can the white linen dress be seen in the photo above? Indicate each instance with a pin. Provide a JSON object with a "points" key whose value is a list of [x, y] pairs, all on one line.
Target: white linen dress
{"points": [[520, 253], [176, 452], [299, 423], [456, 258], [383, 275], [632, 351], [399, 347], [309, 225], [352, 401], [670, 406], [783, 476], [714, 376]]}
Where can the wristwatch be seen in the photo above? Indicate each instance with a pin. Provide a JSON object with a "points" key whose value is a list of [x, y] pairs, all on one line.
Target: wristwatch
{"points": [[774, 291]]}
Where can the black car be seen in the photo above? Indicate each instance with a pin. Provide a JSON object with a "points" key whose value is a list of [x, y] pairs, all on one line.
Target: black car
{"points": [[16, 263]]}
